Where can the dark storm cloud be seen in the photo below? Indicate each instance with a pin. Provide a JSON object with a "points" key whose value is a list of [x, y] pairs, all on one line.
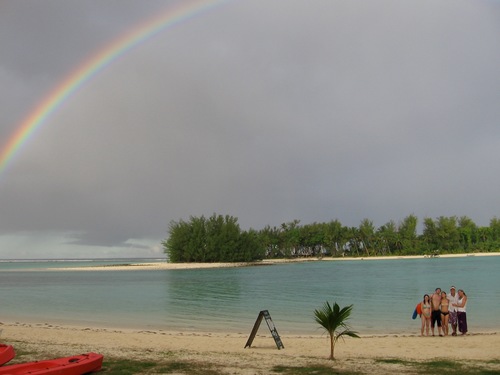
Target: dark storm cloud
{"points": [[267, 111]]}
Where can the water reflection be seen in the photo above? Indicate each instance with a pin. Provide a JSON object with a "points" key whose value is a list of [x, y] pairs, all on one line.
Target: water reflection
{"points": [[197, 298]]}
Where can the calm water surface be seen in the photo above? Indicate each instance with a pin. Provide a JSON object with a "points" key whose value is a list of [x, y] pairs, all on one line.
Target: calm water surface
{"points": [[383, 292]]}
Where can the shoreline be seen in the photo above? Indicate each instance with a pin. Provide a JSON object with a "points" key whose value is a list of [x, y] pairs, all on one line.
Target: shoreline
{"points": [[228, 351], [266, 262]]}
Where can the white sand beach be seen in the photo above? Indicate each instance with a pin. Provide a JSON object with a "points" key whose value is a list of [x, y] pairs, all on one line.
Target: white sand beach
{"points": [[173, 266], [228, 353]]}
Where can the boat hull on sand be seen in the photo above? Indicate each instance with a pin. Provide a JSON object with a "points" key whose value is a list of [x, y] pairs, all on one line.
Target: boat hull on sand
{"points": [[74, 365], [6, 353]]}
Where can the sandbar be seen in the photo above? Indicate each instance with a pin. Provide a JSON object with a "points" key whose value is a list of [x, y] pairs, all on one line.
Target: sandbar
{"points": [[181, 266]]}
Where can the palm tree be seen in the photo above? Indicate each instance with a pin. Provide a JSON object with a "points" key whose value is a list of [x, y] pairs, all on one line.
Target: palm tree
{"points": [[333, 320]]}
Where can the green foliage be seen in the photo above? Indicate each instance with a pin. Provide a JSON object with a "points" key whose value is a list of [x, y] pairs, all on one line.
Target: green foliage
{"points": [[334, 320], [308, 370], [442, 234], [443, 366], [123, 366], [366, 235], [495, 229], [393, 361], [216, 239], [126, 366], [437, 366], [220, 239]]}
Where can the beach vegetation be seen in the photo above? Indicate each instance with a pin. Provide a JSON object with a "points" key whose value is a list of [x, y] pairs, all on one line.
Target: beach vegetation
{"points": [[443, 366], [396, 361], [122, 366], [220, 239], [171, 363], [437, 366], [209, 240], [126, 366], [313, 369], [334, 320]]}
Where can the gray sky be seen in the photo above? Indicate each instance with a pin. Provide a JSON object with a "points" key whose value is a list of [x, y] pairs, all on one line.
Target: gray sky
{"points": [[268, 111]]}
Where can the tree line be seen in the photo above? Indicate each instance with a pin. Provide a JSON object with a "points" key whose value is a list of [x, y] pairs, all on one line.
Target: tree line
{"points": [[214, 239], [220, 239]]}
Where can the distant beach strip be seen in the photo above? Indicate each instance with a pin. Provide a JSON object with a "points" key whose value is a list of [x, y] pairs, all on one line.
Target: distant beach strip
{"points": [[182, 266]]}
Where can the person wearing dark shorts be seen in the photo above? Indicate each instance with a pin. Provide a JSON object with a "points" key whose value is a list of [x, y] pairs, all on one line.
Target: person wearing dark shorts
{"points": [[436, 318], [436, 311]]}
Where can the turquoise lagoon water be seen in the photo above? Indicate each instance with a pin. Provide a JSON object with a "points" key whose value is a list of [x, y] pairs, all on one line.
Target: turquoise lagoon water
{"points": [[383, 292]]}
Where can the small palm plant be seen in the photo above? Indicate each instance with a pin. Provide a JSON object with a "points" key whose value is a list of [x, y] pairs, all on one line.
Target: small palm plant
{"points": [[333, 320]]}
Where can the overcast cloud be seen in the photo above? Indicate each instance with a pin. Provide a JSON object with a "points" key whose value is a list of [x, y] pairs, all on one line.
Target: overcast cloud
{"points": [[268, 111]]}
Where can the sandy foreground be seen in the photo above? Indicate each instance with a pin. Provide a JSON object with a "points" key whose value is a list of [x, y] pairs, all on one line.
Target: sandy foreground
{"points": [[227, 352]]}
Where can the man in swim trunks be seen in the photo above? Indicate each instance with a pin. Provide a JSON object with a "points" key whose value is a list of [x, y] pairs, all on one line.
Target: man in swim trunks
{"points": [[453, 297], [436, 311]]}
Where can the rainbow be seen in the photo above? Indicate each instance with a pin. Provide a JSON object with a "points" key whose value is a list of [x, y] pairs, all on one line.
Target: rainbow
{"points": [[185, 10]]}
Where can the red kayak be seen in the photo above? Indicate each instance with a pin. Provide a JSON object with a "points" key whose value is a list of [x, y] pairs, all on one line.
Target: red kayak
{"points": [[6, 353], [75, 365]]}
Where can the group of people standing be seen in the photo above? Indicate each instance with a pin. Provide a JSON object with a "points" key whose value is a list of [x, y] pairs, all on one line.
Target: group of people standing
{"points": [[442, 310]]}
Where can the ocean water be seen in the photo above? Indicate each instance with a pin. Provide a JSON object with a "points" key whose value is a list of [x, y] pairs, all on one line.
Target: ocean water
{"points": [[383, 294]]}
